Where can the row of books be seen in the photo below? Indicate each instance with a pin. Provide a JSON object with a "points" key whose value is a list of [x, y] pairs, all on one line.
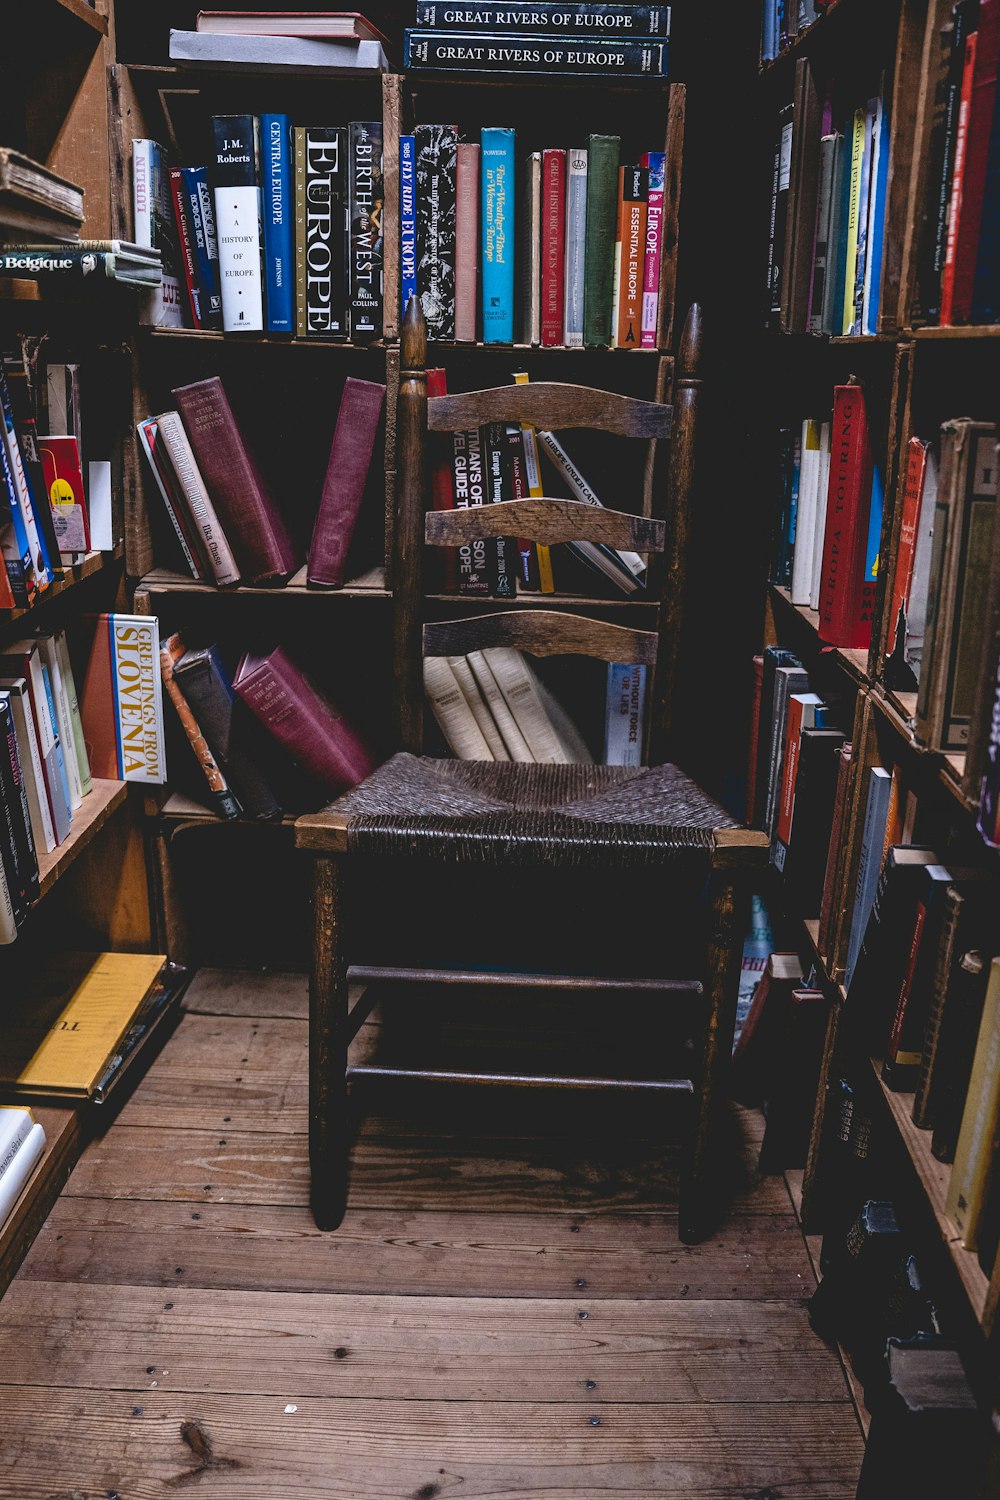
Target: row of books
{"points": [[958, 263], [221, 507], [784, 20], [828, 206], [45, 769], [504, 461], [281, 231], [261, 731], [588, 229], [829, 517], [494, 705]]}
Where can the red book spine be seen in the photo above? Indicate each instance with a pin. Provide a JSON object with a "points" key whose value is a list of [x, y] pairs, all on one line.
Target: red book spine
{"points": [[752, 748], [553, 244], [249, 514], [907, 985], [186, 242], [302, 720], [913, 491], [977, 149], [958, 182], [7, 600], [842, 612], [789, 770], [98, 713], [466, 242], [354, 436], [633, 210], [443, 484]]}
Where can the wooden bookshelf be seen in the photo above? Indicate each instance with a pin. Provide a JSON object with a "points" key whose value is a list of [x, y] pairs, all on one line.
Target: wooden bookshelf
{"points": [[91, 563], [370, 585], [64, 1139], [90, 817], [78, 9]]}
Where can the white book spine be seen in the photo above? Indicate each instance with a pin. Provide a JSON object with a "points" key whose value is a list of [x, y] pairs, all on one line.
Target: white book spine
{"points": [[238, 230], [13, 1181], [31, 763], [171, 430], [137, 688], [805, 522], [576, 237], [16, 1124], [142, 210], [531, 331], [582, 491], [819, 535], [517, 745], [148, 430], [162, 306], [916, 604], [50, 656], [625, 714], [43, 720], [480, 709], [73, 704], [452, 712], [517, 684]]}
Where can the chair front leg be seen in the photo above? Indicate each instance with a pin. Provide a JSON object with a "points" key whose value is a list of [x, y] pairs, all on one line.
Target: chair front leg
{"points": [[698, 1208], [328, 1003]]}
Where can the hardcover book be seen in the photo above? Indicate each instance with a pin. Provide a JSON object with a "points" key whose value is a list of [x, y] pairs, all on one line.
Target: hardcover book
{"points": [[279, 222], [366, 254], [173, 496], [499, 226], [549, 18], [24, 659], [350, 459], [223, 798], [234, 736], [601, 214], [458, 51], [531, 251], [188, 502], [654, 162], [185, 235], [624, 724], [470, 489], [436, 208], [466, 242], [321, 231], [254, 524], [846, 597], [320, 56], [873, 838], [452, 711], [235, 177], [206, 242], [122, 703], [153, 226], [575, 245], [634, 199], [407, 221], [977, 1137], [17, 845], [42, 828]]}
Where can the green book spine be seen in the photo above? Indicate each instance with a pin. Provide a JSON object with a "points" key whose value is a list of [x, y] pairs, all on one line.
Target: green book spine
{"points": [[599, 253]]}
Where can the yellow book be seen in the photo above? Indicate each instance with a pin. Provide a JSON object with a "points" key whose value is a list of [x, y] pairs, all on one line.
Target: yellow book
{"points": [[977, 1137], [853, 216], [533, 474], [62, 1035]]}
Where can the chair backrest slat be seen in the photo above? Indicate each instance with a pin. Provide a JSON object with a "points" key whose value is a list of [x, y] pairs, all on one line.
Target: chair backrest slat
{"points": [[545, 520], [551, 406], [543, 632]]}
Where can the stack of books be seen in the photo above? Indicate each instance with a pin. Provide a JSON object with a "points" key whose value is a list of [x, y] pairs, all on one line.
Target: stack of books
{"points": [[493, 705], [280, 232], [91, 261], [34, 200], [589, 227], [590, 40], [223, 511], [295, 41]]}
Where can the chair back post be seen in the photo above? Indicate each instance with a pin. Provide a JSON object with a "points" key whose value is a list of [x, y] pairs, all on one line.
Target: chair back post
{"points": [[680, 479], [408, 534]]}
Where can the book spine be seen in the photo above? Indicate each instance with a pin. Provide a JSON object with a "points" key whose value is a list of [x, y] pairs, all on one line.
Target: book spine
{"points": [[984, 87], [943, 960], [913, 489], [952, 1069], [549, 18], [321, 231], [973, 1154], [501, 551], [138, 699], [236, 191], [480, 709], [450, 708], [876, 221], [436, 211], [624, 721], [366, 200], [16, 1126], [527, 575], [25, 859], [842, 621], [859, 133], [233, 734], [16, 552], [531, 252], [655, 163], [185, 236], [61, 647], [466, 242], [47, 647], [347, 469], [201, 218], [946, 312], [856, 296], [279, 219], [971, 568], [173, 500], [55, 764], [31, 760], [553, 244], [223, 798], [635, 197], [302, 720], [407, 221], [533, 479], [170, 431], [629, 562], [39, 571], [941, 159], [498, 229], [616, 264], [613, 57], [602, 182], [467, 471], [443, 483], [821, 250], [576, 244], [779, 233]]}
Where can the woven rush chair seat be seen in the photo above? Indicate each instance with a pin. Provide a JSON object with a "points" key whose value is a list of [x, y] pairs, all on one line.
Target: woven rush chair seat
{"points": [[509, 813]]}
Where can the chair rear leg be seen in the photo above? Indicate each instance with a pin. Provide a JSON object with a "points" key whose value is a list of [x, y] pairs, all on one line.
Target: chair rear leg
{"points": [[698, 1207], [328, 1002]]}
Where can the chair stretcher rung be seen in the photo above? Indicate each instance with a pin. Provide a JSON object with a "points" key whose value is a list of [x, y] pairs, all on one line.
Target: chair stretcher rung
{"points": [[374, 974], [523, 1080]]}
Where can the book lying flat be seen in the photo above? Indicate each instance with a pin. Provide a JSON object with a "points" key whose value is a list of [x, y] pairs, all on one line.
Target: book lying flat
{"points": [[59, 1044], [32, 197], [323, 23], [278, 54]]}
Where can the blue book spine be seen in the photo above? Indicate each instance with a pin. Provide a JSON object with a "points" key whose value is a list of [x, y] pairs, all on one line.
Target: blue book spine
{"points": [[767, 31], [874, 527], [60, 762], [407, 219], [205, 243], [876, 814], [876, 232], [498, 229], [278, 215], [13, 537]]}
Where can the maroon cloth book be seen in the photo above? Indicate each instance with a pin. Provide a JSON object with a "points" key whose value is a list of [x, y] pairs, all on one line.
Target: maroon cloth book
{"points": [[253, 524], [302, 720], [346, 474], [553, 244]]}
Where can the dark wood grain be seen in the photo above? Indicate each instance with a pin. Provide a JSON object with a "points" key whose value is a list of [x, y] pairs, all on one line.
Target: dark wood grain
{"points": [[328, 1047], [408, 539], [545, 520], [392, 114], [542, 632], [673, 177], [550, 406]]}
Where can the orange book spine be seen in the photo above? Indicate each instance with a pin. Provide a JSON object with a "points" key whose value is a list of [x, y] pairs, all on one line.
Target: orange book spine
{"points": [[633, 206]]}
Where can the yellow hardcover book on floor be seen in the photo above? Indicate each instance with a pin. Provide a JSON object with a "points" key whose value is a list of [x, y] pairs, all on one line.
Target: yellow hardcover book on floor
{"points": [[58, 1039]]}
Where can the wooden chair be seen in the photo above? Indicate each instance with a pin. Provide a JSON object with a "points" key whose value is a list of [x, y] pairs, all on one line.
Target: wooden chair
{"points": [[527, 816]]}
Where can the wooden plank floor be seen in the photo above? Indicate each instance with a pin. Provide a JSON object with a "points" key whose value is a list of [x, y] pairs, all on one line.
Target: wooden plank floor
{"points": [[506, 1313]]}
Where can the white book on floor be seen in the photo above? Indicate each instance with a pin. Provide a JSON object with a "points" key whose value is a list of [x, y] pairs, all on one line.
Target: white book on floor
{"points": [[21, 1166], [550, 734], [466, 680], [452, 712], [517, 745]]}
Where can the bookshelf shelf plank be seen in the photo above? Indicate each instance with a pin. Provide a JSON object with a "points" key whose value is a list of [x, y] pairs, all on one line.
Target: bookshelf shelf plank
{"points": [[370, 585], [79, 10], [188, 809], [934, 1176], [90, 817], [807, 40], [249, 340], [854, 662], [63, 1144], [93, 562], [956, 331]]}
